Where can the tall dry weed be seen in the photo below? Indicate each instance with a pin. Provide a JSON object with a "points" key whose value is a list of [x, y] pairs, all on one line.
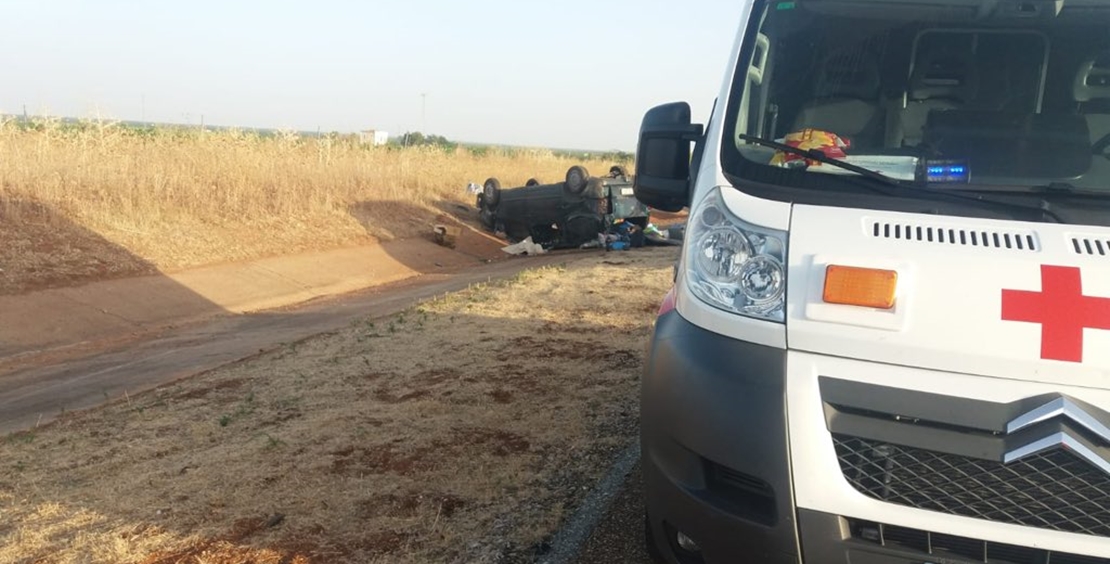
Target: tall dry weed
{"points": [[184, 197]]}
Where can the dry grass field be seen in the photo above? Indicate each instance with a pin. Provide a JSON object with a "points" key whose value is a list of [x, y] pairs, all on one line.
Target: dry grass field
{"points": [[83, 203], [464, 430]]}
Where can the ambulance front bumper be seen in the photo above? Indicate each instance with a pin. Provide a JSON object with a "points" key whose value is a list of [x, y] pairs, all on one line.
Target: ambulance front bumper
{"points": [[739, 466], [715, 448]]}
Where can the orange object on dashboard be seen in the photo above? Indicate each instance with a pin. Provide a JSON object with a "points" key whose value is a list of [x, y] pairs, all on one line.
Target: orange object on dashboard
{"points": [[831, 144]]}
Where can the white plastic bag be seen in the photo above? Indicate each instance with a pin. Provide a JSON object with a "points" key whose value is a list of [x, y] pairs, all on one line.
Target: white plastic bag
{"points": [[525, 247]]}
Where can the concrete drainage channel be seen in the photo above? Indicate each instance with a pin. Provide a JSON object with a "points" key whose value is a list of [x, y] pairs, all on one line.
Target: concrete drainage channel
{"points": [[567, 543]]}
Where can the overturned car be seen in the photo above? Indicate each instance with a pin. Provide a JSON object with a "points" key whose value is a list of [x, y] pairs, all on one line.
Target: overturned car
{"points": [[567, 214]]}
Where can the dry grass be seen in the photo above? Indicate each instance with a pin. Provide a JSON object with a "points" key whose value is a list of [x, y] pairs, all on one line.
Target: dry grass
{"points": [[461, 431], [75, 200]]}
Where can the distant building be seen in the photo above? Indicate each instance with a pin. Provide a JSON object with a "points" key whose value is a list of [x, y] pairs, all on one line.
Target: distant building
{"points": [[373, 137]]}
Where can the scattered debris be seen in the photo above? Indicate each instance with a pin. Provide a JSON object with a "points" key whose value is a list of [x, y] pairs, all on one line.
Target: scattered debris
{"points": [[671, 236], [525, 247], [446, 235], [621, 236], [651, 229]]}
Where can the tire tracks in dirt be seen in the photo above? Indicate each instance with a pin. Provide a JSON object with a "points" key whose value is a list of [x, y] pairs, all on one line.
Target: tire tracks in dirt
{"points": [[36, 392]]}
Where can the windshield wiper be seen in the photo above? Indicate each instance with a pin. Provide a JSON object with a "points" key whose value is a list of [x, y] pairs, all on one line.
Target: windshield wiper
{"points": [[815, 155], [916, 189]]}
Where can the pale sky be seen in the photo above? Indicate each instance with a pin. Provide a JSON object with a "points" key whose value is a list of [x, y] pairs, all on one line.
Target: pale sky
{"points": [[567, 74]]}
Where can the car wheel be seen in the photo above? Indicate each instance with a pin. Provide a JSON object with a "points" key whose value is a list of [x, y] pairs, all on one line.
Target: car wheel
{"points": [[491, 189], [532, 182], [577, 177]]}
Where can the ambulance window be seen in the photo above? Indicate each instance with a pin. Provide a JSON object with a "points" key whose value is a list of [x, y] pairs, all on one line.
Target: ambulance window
{"points": [[1006, 93]]}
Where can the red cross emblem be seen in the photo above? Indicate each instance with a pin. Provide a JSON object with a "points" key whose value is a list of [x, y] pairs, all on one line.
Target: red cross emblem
{"points": [[1061, 309]]}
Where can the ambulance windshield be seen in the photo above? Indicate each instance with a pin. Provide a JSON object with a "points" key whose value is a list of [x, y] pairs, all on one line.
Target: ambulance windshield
{"points": [[993, 95]]}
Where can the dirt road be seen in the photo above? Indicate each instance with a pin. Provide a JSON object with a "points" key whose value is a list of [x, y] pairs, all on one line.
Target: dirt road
{"points": [[34, 395]]}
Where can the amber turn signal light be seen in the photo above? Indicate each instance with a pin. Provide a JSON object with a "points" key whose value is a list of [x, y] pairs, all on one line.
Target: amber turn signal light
{"points": [[866, 287]]}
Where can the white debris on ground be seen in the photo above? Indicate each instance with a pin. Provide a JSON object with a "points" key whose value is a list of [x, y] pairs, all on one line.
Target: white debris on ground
{"points": [[525, 247]]}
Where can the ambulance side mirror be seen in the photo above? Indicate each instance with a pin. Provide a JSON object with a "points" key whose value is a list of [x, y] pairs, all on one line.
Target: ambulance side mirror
{"points": [[662, 178]]}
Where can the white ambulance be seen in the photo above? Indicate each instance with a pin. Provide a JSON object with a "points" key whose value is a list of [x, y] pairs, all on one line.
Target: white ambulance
{"points": [[889, 335]]}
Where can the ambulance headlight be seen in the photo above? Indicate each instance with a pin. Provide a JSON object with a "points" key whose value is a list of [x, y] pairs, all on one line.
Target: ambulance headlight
{"points": [[736, 266]]}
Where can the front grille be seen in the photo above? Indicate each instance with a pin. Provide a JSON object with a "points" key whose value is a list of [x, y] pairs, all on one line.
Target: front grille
{"points": [[937, 545], [1054, 490]]}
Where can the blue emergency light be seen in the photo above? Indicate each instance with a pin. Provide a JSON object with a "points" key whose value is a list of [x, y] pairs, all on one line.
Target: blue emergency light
{"points": [[952, 172]]}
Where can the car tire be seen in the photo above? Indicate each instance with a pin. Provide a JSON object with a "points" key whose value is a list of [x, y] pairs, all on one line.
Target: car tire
{"points": [[532, 182], [491, 189], [577, 177]]}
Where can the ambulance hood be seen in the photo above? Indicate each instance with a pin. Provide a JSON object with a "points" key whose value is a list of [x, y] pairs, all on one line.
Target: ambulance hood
{"points": [[1012, 300]]}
